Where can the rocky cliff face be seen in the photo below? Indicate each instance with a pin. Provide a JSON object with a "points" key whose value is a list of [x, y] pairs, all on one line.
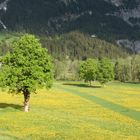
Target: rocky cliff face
{"points": [[115, 2], [129, 11]]}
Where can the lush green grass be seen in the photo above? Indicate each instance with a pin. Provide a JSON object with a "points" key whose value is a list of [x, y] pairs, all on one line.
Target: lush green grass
{"points": [[73, 111], [8, 37]]}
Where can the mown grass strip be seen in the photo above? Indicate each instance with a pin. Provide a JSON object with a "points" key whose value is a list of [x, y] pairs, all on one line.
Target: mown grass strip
{"points": [[133, 114]]}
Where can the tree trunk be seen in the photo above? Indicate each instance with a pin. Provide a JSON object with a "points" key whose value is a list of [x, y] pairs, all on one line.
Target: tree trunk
{"points": [[26, 100], [90, 83]]}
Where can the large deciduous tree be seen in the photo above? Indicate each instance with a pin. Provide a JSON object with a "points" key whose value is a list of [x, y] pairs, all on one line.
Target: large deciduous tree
{"points": [[123, 70], [26, 68], [88, 70], [105, 71]]}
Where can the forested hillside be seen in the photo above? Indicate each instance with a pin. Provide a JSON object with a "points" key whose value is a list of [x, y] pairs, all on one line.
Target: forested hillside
{"points": [[73, 45], [76, 45]]}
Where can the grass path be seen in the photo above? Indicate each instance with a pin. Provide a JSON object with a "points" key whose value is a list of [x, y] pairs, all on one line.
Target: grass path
{"points": [[104, 103]]}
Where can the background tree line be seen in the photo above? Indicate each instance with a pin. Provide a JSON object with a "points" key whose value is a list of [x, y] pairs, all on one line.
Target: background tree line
{"points": [[121, 69], [128, 70]]}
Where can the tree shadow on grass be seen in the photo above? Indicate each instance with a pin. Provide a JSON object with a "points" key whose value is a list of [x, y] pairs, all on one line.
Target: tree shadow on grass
{"points": [[81, 85], [14, 106], [135, 83]]}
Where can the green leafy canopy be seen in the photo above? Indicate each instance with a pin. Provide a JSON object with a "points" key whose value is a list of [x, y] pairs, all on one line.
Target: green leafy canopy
{"points": [[27, 67], [88, 70], [105, 71]]}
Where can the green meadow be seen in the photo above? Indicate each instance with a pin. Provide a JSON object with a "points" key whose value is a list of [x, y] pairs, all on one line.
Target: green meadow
{"points": [[73, 111]]}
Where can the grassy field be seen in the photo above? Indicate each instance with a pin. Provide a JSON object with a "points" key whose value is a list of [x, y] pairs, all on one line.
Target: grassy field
{"points": [[72, 111], [8, 37]]}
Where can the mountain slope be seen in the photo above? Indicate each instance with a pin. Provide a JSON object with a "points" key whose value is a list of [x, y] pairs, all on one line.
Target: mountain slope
{"points": [[76, 45], [111, 20], [72, 45]]}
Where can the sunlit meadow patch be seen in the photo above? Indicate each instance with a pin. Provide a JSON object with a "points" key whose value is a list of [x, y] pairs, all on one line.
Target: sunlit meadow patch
{"points": [[69, 112]]}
